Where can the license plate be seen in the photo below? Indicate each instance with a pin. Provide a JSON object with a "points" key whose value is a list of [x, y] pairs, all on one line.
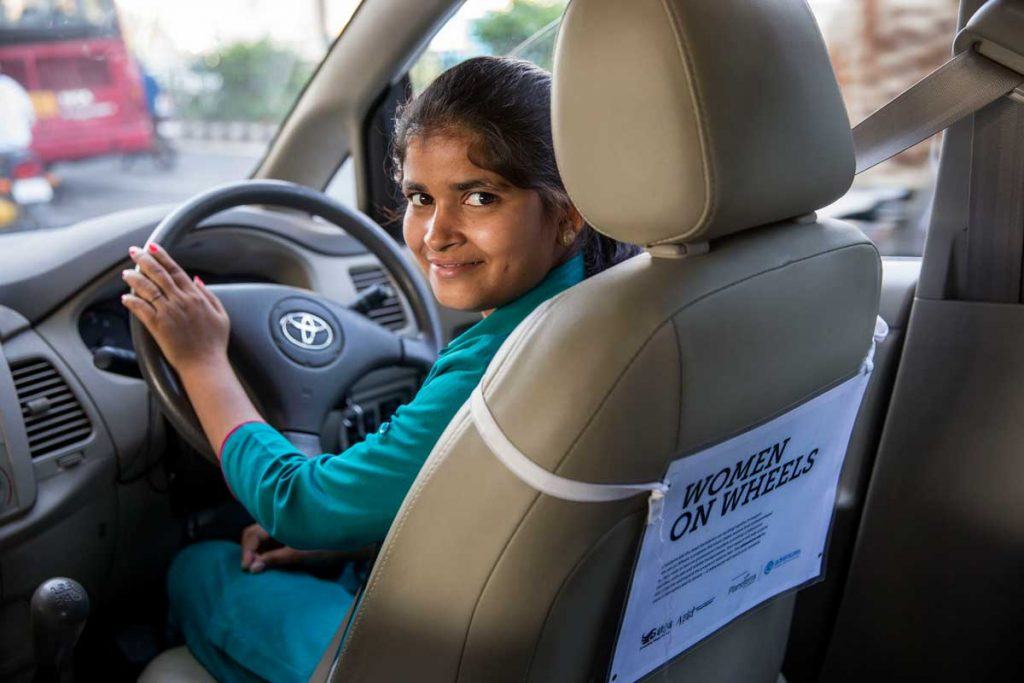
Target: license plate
{"points": [[32, 191]]}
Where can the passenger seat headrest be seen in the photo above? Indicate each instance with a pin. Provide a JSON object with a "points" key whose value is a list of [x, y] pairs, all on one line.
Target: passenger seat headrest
{"points": [[685, 120]]}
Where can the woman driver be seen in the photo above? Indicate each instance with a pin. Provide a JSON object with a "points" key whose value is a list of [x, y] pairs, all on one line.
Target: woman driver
{"points": [[491, 225]]}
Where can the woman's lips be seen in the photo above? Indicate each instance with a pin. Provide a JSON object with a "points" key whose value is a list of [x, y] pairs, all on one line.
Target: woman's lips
{"points": [[452, 269]]}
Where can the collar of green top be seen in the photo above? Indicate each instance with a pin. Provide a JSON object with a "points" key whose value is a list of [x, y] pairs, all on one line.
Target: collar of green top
{"points": [[505, 318]]}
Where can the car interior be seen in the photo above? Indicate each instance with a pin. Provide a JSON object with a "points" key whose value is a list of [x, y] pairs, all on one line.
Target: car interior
{"points": [[711, 134]]}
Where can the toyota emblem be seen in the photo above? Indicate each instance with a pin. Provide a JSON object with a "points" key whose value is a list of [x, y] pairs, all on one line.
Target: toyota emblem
{"points": [[307, 331]]}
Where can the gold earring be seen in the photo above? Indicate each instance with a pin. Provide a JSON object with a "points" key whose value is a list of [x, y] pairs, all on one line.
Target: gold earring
{"points": [[567, 238]]}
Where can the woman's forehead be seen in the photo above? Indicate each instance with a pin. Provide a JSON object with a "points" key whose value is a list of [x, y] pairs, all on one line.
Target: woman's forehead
{"points": [[444, 158]]}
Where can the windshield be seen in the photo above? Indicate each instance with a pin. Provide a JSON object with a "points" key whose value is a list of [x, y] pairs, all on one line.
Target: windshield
{"points": [[108, 105]]}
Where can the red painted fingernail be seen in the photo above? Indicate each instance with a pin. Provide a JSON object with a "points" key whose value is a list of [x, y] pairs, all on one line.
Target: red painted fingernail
{"points": [[133, 250], [200, 280], [152, 248]]}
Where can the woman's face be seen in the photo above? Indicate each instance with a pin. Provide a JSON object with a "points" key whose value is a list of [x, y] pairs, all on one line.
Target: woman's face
{"points": [[481, 241]]}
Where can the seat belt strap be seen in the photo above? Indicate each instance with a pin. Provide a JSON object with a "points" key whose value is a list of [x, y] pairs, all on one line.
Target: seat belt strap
{"points": [[961, 86], [538, 478]]}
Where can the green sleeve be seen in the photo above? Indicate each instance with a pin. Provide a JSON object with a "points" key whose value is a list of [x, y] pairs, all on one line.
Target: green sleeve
{"points": [[344, 501]]}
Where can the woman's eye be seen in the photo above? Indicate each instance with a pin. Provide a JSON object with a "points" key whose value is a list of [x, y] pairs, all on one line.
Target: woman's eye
{"points": [[481, 198], [419, 199]]}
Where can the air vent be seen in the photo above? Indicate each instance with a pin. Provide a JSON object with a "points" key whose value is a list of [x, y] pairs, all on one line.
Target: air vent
{"points": [[54, 419], [390, 313]]}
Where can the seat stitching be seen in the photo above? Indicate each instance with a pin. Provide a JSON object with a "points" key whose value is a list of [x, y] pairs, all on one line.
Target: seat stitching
{"points": [[575, 568], [710, 195], [679, 393], [490, 574], [532, 321], [503, 365], [382, 563]]}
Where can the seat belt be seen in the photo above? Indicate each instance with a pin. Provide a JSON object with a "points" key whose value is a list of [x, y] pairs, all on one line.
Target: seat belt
{"points": [[961, 86]]}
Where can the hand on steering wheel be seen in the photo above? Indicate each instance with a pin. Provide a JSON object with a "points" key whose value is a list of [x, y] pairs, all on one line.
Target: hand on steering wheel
{"points": [[186, 319], [297, 352]]}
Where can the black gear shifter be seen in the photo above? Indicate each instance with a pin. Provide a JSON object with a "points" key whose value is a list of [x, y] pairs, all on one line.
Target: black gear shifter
{"points": [[59, 610]]}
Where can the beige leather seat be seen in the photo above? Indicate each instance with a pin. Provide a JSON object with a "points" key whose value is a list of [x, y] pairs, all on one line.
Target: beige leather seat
{"points": [[683, 124]]}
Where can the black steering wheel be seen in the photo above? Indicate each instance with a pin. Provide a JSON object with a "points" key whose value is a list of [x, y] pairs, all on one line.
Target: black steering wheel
{"points": [[296, 351]]}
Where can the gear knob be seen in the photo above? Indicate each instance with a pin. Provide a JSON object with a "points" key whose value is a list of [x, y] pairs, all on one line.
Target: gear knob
{"points": [[60, 607]]}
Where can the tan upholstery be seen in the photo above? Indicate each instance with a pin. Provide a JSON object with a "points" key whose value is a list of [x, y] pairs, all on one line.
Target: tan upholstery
{"points": [[481, 578], [176, 665], [682, 121]]}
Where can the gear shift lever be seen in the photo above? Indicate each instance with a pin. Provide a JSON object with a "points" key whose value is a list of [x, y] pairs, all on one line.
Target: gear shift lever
{"points": [[59, 609]]}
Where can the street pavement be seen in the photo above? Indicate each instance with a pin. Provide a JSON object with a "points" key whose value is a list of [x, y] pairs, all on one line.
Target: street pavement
{"points": [[95, 187]]}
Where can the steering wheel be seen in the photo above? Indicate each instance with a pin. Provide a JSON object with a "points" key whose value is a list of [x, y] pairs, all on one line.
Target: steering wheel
{"points": [[296, 352]]}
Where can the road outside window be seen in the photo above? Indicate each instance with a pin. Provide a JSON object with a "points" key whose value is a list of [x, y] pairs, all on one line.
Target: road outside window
{"points": [[136, 103]]}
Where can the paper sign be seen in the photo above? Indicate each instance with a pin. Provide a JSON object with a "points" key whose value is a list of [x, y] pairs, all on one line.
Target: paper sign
{"points": [[743, 521]]}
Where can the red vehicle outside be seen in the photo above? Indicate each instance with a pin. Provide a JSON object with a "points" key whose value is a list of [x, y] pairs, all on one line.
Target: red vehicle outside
{"points": [[86, 89]]}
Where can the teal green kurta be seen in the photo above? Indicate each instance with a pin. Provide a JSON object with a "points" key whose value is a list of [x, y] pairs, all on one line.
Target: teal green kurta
{"points": [[277, 624]]}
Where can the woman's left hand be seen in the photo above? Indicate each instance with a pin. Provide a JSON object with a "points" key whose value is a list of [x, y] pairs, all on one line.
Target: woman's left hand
{"points": [[186, 319], [260, 551]]}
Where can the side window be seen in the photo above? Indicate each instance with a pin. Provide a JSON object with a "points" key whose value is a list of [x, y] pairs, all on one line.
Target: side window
{"points": [[343, 185], [519, 28], [879, 48]]}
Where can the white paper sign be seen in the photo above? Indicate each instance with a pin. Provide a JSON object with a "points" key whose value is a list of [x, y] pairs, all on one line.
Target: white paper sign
{"points": [[742, 522]]}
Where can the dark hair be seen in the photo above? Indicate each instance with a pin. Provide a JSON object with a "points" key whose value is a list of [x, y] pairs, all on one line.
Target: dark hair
{"points": [[504, 104]]}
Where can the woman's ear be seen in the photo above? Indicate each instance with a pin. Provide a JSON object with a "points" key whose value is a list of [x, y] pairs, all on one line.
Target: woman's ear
{"points": [[574, 218], [570, 225]]}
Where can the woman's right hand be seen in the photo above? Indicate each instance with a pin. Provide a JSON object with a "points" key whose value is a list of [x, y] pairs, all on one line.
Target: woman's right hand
{"points": [[186, 319]]}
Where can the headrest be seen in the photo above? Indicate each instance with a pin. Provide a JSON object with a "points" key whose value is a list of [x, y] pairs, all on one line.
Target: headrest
{"points": [[684, 120]]}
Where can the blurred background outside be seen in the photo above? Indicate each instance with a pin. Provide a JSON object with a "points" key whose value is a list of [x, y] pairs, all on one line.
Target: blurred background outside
{"points": [[137, 102]]}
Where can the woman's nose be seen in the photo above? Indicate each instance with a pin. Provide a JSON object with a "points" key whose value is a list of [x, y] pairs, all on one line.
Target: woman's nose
{"points": [[442, 230]]}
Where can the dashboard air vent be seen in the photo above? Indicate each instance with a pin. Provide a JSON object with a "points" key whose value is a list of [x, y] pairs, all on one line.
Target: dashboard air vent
{"points": [[389, 313], [53, 416]]}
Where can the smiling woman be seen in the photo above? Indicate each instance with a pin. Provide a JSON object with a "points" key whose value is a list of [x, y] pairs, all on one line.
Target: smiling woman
{"points": [[488, 214]]}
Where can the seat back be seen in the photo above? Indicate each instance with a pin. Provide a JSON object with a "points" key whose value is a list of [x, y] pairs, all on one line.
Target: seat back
{"points": [[682, 125]]}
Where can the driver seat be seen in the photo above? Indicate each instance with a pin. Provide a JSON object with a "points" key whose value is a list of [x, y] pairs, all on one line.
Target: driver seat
{"points": [[708, 132]]}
